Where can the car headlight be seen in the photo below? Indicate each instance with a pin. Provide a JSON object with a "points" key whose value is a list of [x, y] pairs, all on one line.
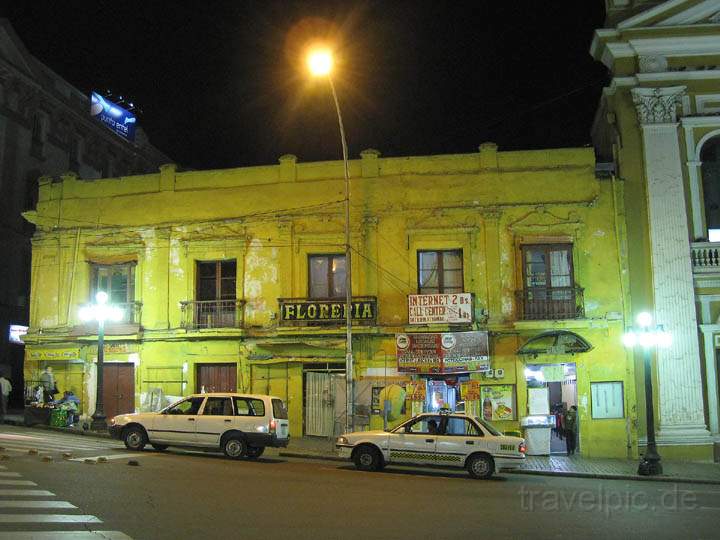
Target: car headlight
{"points": [[112, 421], [342, 440]]}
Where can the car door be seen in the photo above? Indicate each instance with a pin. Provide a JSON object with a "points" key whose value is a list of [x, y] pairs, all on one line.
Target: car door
{"points": [[176, 424], [414, 442], [215, 418], [460, 437]]}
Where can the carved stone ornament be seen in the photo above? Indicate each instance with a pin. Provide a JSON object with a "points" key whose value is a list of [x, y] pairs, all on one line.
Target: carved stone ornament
{"points": [[653, 64], [658, 105]]}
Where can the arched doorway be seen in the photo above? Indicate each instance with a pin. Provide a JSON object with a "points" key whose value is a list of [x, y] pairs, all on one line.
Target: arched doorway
{"points": [[710, 158]]}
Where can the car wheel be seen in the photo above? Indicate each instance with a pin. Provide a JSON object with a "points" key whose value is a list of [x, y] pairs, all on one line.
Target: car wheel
{"points": [[159, 447], [254, 452], [234, 447], [481, 466], [368, 458], [135, 438]]}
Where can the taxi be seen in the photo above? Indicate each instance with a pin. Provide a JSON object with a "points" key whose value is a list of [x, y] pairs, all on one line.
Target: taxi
{"points": [[450, 440]]}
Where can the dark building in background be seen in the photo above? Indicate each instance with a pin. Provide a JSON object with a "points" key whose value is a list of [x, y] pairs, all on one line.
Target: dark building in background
{"points": [[46, 129]]}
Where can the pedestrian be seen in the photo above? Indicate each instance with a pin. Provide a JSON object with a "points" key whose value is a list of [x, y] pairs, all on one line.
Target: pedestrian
{"points": [[5, 389], [571, 429], [47, 380]]}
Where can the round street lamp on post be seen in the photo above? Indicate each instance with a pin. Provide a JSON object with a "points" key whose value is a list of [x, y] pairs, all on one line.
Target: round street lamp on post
{"points": [[320, 63], [648, 337], [100, 312]]}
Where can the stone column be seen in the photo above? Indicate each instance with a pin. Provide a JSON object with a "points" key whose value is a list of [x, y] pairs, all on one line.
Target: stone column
{"points": [[709, 331], [680, 396]]}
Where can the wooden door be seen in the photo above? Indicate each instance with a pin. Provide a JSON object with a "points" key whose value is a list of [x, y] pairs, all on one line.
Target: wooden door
{"points": [[118, 389], [216, 378]]}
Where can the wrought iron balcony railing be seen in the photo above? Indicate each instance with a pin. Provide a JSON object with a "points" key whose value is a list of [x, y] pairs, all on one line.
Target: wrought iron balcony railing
{"points": [[551, 303], [212, 313], [131, 312]]}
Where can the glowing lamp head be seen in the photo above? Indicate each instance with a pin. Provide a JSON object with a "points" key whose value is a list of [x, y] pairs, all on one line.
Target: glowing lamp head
{"points": [[644, 319], [630, 339], [320, 62], [101, 297]]}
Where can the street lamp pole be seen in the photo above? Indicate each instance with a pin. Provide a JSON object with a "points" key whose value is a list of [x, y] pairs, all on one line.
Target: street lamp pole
{"points": [[100, 312], [648, 337], [320, 63]]}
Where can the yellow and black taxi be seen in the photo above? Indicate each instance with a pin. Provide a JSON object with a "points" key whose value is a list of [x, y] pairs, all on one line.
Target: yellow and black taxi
{"points": [[450, 440]]}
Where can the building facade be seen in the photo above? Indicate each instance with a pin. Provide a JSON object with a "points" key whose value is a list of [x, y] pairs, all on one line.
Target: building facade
{"points": [[659, 123], [476, 280], [45, 129]]}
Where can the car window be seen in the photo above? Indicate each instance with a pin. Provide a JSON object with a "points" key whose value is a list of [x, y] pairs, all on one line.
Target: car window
{"points": [[218, 406], [279, 409], [428, 425], [249, 407], [189, 406], [462, 426], [488, 426]]}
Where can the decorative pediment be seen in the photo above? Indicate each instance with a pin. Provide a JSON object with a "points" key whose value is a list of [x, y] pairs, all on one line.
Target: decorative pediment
{"points": [[541, 219]]}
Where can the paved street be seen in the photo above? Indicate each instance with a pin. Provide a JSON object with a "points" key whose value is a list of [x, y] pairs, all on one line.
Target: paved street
{"points": [[180, 494]]}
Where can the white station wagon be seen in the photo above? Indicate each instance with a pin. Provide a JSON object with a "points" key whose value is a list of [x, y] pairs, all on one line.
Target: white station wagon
{"points": [[452, 440], [241, 425]]}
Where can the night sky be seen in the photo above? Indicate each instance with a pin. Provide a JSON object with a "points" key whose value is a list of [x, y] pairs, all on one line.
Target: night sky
{"points": [[221, 83]]}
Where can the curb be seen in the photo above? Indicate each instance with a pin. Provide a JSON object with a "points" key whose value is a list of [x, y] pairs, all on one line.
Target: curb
{"points": [[88, 433], [607, 476]]}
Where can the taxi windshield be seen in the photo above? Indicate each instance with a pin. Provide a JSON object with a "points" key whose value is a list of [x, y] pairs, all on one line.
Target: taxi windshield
{"points": [[487, 425]]}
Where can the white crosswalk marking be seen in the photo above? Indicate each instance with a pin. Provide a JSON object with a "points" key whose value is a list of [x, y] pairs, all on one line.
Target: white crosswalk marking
{"points": [[17, 483], [112, 456], [62, 535], [48, 518], [9, 475], [36, 504], [27, 492]]}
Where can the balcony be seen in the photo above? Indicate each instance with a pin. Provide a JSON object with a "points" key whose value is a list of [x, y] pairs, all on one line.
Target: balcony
{"points": [[551, 303], [131, 312], [705, 257], [212, 314]]}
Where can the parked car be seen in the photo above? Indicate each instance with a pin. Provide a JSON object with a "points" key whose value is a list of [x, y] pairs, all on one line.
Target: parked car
{"points": [[450, 440], [241, 425]]}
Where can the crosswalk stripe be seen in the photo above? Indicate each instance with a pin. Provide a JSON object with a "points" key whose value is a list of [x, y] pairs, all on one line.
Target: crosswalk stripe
{"points": [[17, 483], [113, 456], [48, 518], [36, 504], [27, 492], [62, 535], [55, 448], [10, 474], [57, 443]]}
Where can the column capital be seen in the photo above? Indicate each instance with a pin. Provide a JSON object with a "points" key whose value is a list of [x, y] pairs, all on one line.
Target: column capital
{"points": [[658, 105]]}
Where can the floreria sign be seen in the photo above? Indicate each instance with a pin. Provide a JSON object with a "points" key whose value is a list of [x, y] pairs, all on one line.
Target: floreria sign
{"points": [[293, 311]]}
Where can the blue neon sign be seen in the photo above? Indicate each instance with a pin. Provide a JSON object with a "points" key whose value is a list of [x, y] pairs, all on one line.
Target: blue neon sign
{"points": [[120, 120]]}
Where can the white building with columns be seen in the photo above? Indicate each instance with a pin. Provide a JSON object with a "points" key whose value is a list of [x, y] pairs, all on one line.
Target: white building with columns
{"points": [[658, 129]]}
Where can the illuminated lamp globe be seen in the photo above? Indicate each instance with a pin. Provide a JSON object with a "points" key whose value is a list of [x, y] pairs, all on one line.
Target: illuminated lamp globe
{"points": [[101, 297], [644, 319], [630, 339], [320, 62]]}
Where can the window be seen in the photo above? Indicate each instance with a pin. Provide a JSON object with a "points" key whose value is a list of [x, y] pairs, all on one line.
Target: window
{"points": [[190, 406], [216, 280], [710, 158], [607, 400], [427, 425], [462, 426], [279, 409], [118, 281], [440, 271], [249, 407], [326, 276], [549, 290], [216, 406], [37, 139]]}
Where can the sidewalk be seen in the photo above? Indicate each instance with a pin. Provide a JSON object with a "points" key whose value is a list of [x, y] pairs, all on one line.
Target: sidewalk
{"points": [[567, 466]]}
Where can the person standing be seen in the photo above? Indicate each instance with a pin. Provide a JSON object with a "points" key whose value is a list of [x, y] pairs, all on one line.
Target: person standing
{"points": [[571, 418], [5, 389], [47, 380]]}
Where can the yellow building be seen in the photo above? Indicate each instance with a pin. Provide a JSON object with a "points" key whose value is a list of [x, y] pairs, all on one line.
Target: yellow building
{"points": [[234, 279]]}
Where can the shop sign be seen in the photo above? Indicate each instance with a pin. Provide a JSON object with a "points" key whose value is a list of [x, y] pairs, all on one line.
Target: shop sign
{"points": [[440, 308], [416, 391], [449, 352], [53, 354], [470, 390], [498, 402], [296, 312]]}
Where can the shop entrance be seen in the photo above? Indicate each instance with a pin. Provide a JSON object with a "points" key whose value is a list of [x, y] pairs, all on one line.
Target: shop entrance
{"points": [[216, 378], [324, 400], [118, 389], [443, 392], [552, 390]]}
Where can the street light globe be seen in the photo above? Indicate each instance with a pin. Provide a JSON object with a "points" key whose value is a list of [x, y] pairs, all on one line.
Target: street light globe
{"points": [[101, 297], [86, 313], [320, 62], [630, 339], [644, 319]]}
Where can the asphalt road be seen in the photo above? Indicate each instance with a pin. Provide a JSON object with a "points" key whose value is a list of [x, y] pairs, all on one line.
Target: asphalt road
{"points": [[181, 495]]}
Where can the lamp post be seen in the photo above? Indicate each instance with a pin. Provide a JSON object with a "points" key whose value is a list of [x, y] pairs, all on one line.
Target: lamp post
{"points": [[648, 336], [320, 63], [100, 312]]}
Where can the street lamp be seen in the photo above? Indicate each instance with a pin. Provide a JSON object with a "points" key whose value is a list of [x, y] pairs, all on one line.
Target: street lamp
{"points": [[100, 312], [648, 337], [320, 63]]}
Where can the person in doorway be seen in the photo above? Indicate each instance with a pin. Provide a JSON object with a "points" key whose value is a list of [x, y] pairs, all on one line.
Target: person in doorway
{"points": [[47, 380], [571, 429], [5, 389]]}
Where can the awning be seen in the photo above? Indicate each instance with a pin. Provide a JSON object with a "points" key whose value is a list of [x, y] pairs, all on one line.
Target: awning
{"points": [[555, 342]]}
